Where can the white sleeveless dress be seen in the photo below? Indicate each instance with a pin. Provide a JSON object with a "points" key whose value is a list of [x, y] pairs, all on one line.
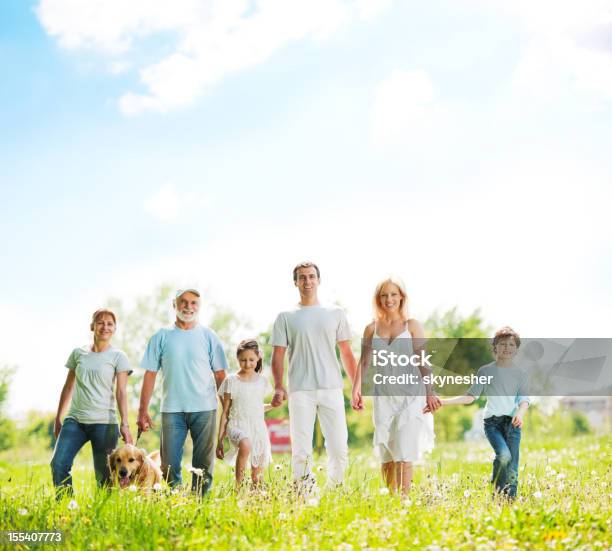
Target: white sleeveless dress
{"points": [[246, 417], [402, 432]]}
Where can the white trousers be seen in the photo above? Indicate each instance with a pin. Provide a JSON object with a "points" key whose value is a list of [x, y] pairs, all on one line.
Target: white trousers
{"points": [[304, 405]]}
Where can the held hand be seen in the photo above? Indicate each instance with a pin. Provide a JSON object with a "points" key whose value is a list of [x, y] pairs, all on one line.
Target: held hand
{"points": [[280, 395], [220, 454], [357, 400], [517, 421], [57, 427], [144, 421], [126, 434], [433, 403]]}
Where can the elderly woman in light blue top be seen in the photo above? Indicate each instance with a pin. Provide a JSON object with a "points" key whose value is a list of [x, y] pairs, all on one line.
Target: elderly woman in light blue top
{"points": [[93, 371]]}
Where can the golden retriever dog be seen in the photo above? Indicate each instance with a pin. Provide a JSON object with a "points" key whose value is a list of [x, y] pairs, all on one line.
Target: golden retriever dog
{"points": [[130, 465]]}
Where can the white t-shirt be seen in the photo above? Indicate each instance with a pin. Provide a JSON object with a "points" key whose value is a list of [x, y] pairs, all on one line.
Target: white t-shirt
{"points": [[93, 400], [310, 334]]}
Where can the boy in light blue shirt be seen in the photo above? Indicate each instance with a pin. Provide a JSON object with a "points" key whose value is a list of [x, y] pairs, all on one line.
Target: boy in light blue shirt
{"points": [[507, 401]]}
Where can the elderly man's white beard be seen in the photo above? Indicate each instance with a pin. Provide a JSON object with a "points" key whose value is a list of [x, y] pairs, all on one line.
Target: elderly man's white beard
{"points": [[186, 318]]}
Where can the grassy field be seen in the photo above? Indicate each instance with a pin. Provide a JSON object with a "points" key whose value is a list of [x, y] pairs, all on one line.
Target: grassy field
{"points": [[564, 502]]}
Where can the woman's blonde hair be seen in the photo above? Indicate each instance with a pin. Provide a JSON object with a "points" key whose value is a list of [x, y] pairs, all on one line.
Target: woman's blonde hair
{"points": [[378, 309]]}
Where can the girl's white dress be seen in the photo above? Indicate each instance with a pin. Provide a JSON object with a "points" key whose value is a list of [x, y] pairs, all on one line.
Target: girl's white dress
{"points": [[402, 432], [246, 417]]}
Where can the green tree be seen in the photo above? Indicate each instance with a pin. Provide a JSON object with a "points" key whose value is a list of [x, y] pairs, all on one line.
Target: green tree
{"points": [[464, 345], [8, 430]]}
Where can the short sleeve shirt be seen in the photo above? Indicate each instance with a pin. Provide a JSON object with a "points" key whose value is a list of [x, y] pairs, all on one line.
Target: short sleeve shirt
{"points": [[93, 400], [187, 360], [507, 389], [310, 334]]}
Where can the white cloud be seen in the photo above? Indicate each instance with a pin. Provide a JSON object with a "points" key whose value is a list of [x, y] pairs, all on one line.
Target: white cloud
{"points": [[213, 39], [167, 204], [564, 51], [405, 110], [368, 9]]}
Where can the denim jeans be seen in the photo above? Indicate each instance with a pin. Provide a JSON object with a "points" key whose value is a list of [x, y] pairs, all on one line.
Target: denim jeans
{"points": [[71, 439], [505, 440], [202, 426]]}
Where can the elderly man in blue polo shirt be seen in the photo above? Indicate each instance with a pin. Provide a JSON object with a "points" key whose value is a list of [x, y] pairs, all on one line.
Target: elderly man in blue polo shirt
{"points": [[193, 364]]}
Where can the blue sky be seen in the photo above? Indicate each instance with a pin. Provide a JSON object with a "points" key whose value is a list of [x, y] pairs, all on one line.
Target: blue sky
{"points": [[461, 145]]}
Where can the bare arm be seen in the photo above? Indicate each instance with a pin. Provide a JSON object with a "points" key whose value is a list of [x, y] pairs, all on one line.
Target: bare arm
{"points": [[464, 400], [148, 384], [364, 358], [64, 400], [278, 369], [418, 344], [517, 420], [121, 395], [226, 402], [219, 377], [348, 359]]}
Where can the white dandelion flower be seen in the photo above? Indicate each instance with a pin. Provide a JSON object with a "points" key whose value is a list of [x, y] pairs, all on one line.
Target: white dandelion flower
{"points": [[312, 502], [537, 495], [73, 505], [157, 486], [197, 472], [23, 512], [278, 467], [282, 516], [383, 491], [466, 493], [560, 476], [133, 488]]}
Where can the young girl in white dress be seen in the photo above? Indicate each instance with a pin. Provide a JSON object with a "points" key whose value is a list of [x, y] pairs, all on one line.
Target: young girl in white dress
{"points": [[402, 432], [242, 419]]}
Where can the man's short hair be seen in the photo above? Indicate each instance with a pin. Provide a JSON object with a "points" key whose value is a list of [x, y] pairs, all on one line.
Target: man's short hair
{"points": [[504, 333], [305, 264]]}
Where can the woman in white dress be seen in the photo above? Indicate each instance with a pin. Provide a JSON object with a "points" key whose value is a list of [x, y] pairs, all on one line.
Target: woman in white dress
{"points": [[402, 432], [242, 420]]}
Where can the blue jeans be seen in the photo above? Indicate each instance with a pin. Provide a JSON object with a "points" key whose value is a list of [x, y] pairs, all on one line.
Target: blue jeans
{"points": [[202, 426], [71, 439], [505, 440]]}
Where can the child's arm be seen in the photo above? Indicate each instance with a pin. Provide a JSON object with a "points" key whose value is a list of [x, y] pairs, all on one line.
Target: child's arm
{"points": [[517, 420], [227, 404], [464, 400]]}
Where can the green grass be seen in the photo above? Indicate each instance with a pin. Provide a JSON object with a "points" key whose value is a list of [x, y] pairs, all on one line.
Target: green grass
{"points": [[450, 506]]}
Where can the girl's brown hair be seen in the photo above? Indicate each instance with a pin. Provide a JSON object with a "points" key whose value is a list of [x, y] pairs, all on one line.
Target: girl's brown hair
{"points": [[251, 344]]}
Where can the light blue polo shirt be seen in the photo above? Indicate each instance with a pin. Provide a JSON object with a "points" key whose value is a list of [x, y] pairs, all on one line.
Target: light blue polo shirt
{"points": [[187, 359], [509, 387]]}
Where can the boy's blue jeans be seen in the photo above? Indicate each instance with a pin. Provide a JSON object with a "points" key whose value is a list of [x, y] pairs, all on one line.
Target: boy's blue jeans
{"points": [[71, 439], [202, 426], [505, 440]]}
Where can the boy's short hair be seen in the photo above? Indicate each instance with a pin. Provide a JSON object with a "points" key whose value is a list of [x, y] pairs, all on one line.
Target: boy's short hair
{"points": [[306, 264], [504, 333]]}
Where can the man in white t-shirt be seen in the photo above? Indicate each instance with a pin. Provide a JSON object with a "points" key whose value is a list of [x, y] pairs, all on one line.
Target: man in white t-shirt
{"points": [[310, 332]]}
